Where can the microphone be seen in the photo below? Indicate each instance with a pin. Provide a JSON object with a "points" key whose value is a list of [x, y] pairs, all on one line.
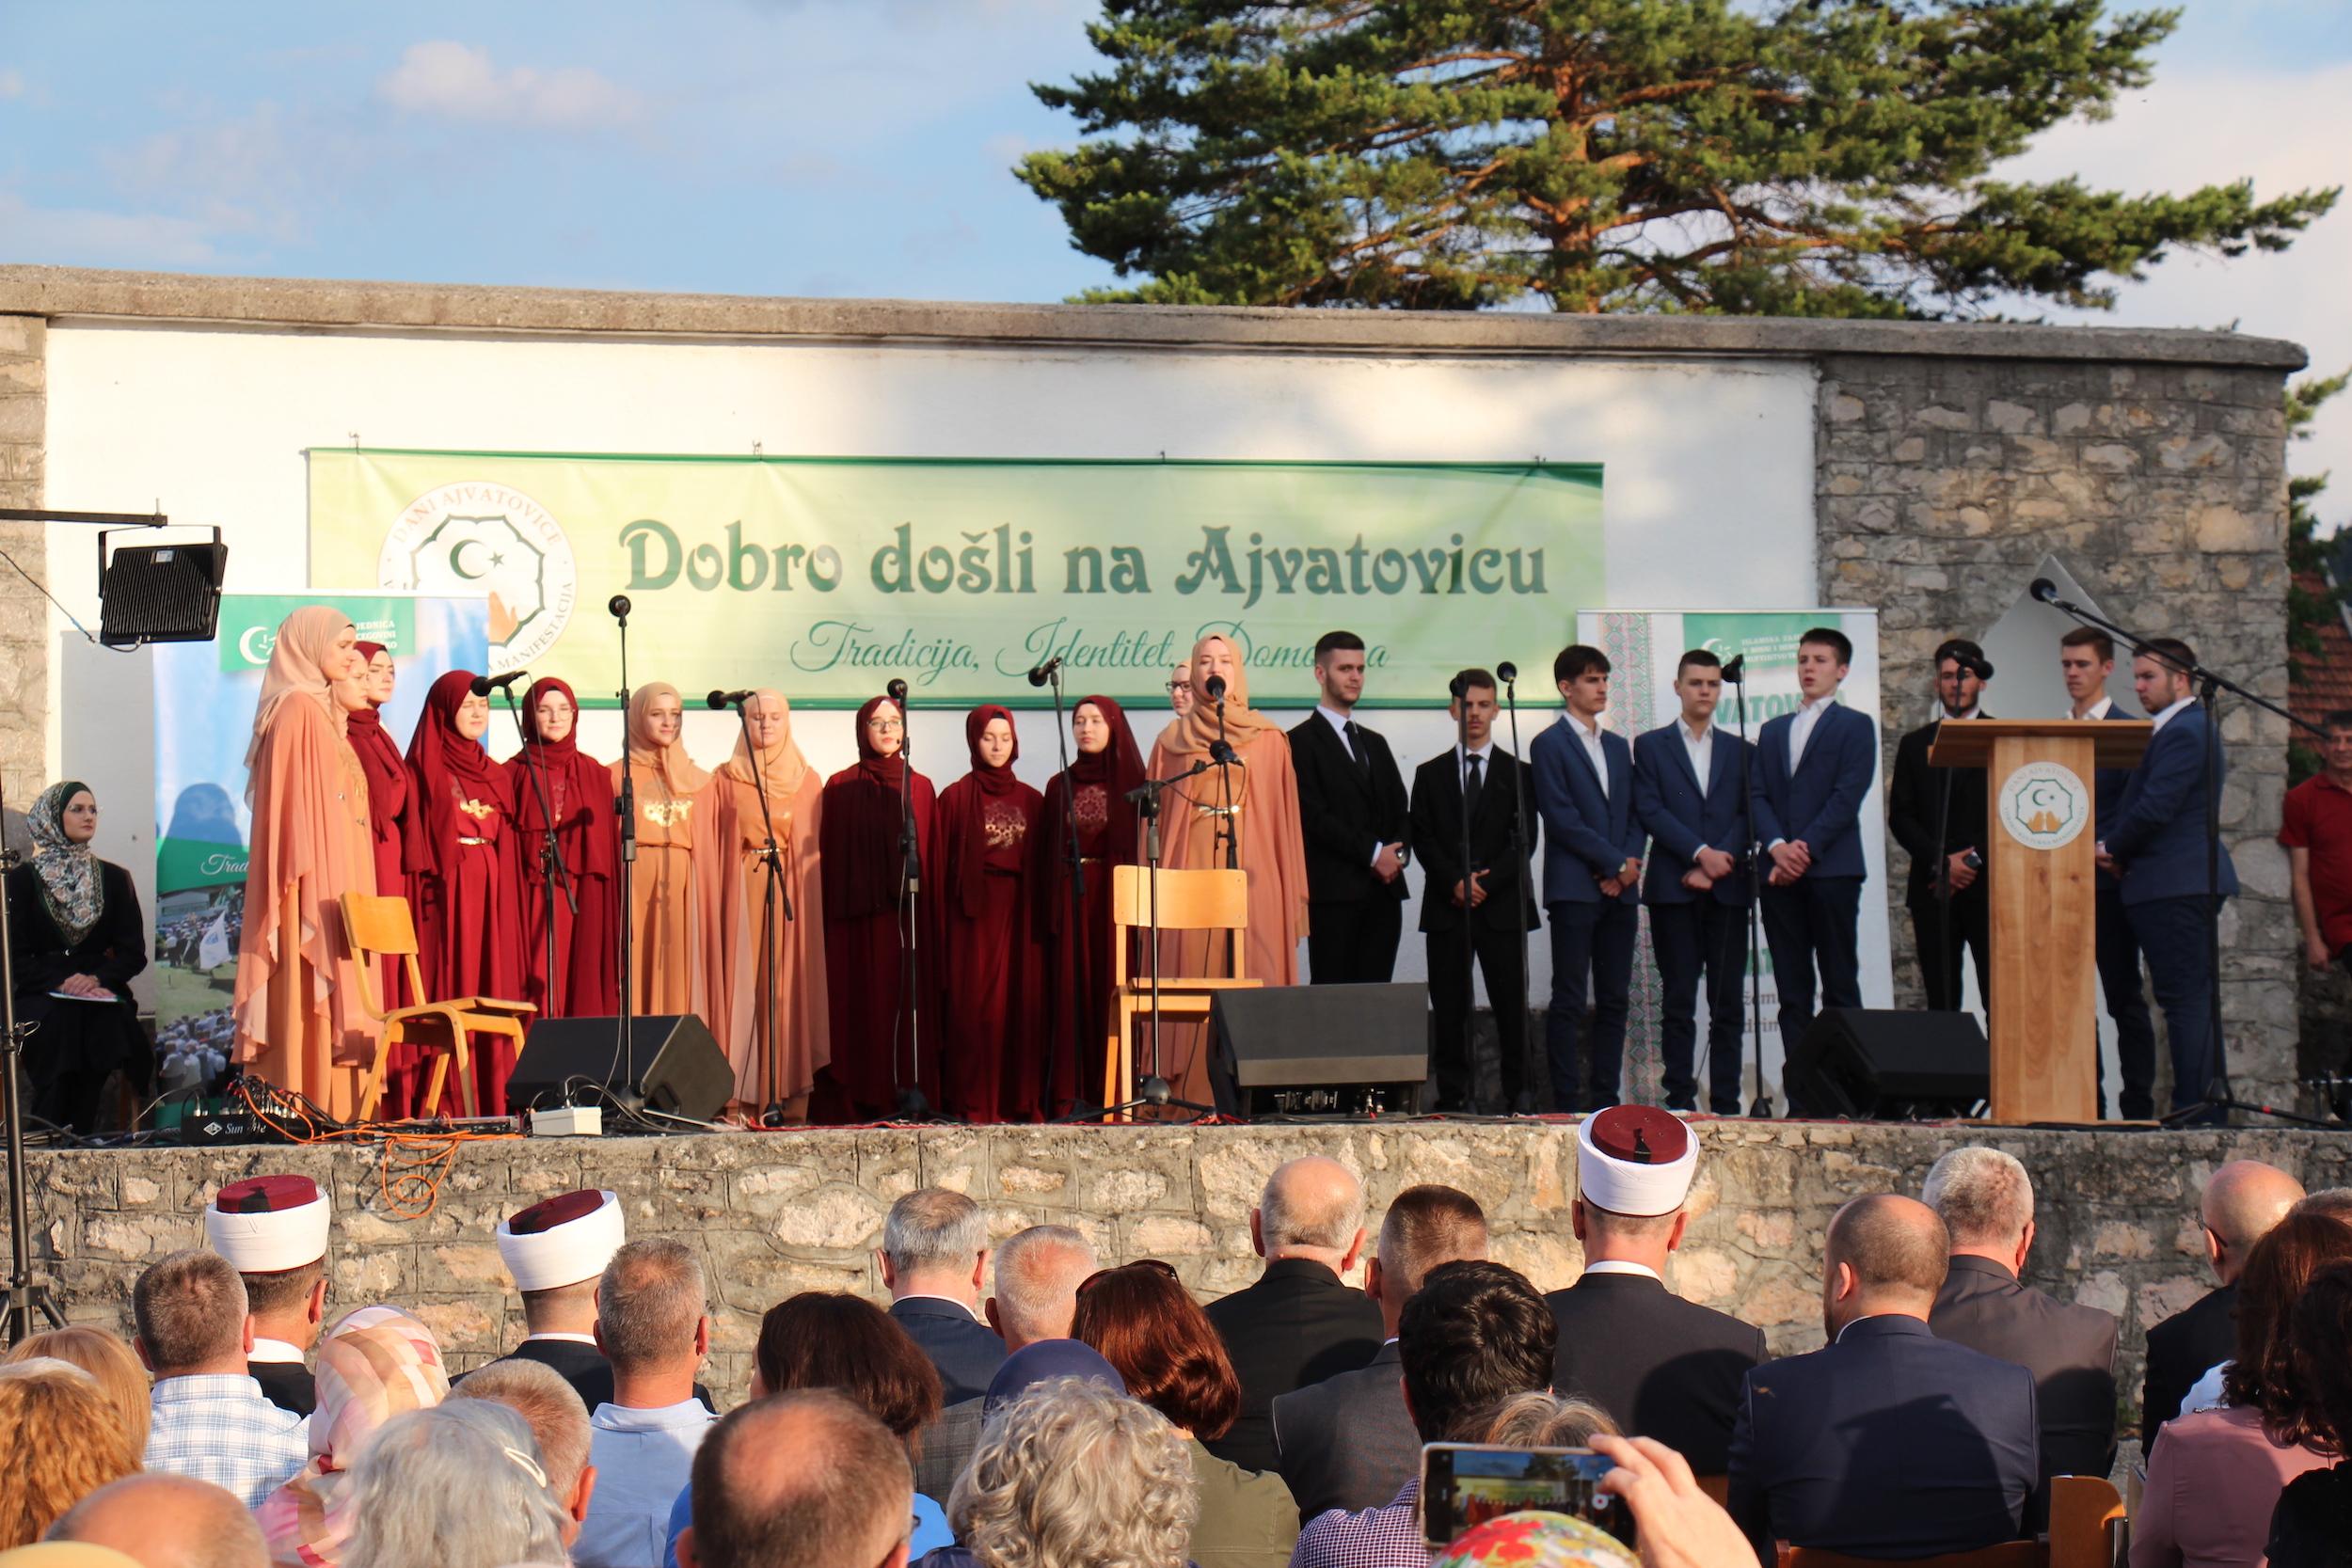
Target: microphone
{"points": [[483, 684], [2045, 590], [617, 607], [1221, 753], [1455, 686], [1038, 675], [1735, 669], [730, 699], [1981, 669], [897, 693], [1215, 688], [1505, 671]]}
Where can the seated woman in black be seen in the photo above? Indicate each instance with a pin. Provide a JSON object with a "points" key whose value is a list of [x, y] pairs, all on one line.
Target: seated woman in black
{"points": [[75, 938]]}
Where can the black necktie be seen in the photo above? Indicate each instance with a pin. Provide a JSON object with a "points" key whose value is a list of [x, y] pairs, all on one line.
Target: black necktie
{"points": [[1471, 787], [1356, 748]]}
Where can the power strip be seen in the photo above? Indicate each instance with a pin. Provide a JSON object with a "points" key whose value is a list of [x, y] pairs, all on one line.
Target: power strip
{"points": [[568, 1121]]}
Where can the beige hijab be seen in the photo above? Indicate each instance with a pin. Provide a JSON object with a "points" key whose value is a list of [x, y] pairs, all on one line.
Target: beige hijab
{"points": [[669, 764], [1190, 735], [301, 665], [781, 764]]}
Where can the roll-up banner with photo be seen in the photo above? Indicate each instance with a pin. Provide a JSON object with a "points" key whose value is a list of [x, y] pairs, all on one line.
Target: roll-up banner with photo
{"points": [[205, 694], [1644, 648]]}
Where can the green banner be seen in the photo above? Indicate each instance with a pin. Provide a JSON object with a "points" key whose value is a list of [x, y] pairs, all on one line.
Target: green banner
{"points": [[827, 578]]}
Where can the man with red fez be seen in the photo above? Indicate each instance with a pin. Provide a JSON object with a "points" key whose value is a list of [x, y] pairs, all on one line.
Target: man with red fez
{"points": [[273, 1230], [1660, 1366]]}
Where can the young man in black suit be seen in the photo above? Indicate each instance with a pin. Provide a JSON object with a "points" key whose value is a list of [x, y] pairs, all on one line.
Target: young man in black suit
{"points": [[1939, 814], [1660, 1366], [1485, 914], [1351, 800]]}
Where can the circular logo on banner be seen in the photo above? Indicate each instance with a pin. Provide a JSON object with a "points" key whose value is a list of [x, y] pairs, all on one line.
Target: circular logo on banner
{"points": [[474, 537], [2044, 806]]}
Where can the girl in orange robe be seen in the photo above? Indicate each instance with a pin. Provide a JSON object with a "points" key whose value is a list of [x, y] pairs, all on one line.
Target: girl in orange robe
{"points": [[672, 902]]}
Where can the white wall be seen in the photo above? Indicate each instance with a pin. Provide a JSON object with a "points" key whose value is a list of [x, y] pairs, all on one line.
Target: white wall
{"points": [[1707, 495]]}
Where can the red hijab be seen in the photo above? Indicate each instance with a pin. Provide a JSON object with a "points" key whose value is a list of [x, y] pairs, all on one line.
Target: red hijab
{"points": [[860, 856], [450, 770], [380, 759], [587, 786], [1118, 768], [965, 812]]}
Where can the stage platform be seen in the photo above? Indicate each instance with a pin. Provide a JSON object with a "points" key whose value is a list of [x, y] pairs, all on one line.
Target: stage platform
{"points": [[777, 1213]]}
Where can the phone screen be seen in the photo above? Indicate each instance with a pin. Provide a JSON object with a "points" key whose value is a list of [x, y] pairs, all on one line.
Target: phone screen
{"points": [[1464, 1485]]}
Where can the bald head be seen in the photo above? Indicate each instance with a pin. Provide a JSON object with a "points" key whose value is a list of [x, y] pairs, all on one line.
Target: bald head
{"points": [[805, 1479], [165, 1521], [1886, 1254], [2243, 1201], [1311, 1208]]}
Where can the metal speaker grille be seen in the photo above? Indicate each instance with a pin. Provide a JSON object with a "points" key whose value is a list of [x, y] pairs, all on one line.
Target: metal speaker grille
{"points": [[160, 593]]}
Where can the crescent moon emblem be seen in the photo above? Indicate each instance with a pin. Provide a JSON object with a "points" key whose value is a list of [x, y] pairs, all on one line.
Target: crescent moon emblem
{"points": [[457, 558]]}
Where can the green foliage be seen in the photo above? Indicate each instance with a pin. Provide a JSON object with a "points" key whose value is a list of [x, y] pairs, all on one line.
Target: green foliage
{"points": [[2308, 610], [1812, 157]]}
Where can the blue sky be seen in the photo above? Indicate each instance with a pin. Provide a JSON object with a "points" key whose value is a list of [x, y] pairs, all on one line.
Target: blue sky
{"points": [[844, 148]]}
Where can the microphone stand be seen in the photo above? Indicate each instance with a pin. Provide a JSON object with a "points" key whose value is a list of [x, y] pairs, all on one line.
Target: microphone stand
{"points": [[2216, 1095], [553, 873], [1518, 852], [772, 861], [1153, 1089], [28, 1293], [1948, 956], [910, 1103], [626, 808], [1761, 1107], [1469, 936], [1224, 755], [1075, 861]]}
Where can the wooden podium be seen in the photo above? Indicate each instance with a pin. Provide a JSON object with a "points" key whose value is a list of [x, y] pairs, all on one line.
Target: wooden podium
{"points": [[2040, 795]]}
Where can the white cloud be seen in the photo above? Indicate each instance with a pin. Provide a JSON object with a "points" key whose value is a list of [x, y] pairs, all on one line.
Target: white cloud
{"points": [[456, 81], [81, 236], [11, 84]]}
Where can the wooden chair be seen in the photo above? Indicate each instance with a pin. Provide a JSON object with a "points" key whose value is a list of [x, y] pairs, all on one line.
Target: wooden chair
{"points": [[1188, 901], [2086, 1522], [2009, 1554], [380, 926]]}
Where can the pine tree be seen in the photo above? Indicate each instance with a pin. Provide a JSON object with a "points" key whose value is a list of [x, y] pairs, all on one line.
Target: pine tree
{"points": [[1812, 157]]}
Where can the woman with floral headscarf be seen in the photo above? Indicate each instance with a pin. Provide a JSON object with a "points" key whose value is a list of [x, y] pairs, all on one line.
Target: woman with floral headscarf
{"points": [[75, 938]]}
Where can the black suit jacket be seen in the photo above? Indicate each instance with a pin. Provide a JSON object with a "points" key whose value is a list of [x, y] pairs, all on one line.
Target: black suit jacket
{"points": [[1297, 1324], [1913, 808], [1662, 1366], [288, 1385], [581, 1366], [2181, 1349], [1885, 1443], [1348, 1441], [2070, 1350], [965, 1350], [1346, 814], [1437, 842]]}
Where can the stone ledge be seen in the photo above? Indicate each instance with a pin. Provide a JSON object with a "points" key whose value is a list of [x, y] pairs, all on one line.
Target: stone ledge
{"points": [[73, 291]]}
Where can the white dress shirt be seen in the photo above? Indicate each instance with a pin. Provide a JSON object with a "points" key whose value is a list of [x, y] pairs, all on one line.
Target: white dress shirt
{"points": [[275, 1351], [1617, 1265], [2160, 719], [2099, 709], [1590, 736], [1800, 727], [1699, 744]]}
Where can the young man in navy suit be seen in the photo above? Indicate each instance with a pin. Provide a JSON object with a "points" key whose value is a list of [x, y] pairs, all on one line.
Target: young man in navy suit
{"points": [[1813, 768], [2085, 660], [1593, 844], [2156, 845], [1689, 790]]}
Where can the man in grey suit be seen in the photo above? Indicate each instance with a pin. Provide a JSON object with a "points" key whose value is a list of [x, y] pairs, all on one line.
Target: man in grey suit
{"points": [[1038, 1273], [1985, 1200], [1348, 1442]]}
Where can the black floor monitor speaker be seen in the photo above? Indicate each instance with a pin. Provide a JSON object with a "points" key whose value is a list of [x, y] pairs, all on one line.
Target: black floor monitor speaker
{"points": [[160, 593], [672, 1063], [1890, 1065], [1320, 1050]]}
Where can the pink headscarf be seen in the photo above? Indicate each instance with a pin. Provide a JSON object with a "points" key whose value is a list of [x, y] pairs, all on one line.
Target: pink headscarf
{"points": [[301, 663], [375, 1364]]}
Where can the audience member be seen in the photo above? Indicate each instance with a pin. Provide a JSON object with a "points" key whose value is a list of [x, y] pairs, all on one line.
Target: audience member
{"points": [[1887, 1442], [1073, 1474], [2242, 1201], [1038, 1271], [651, 1324], [1298, 1323], [556, 1250], [1473, 1335], [803, 1479], [1346, 1442], [210, 1420], [273, 1230], [456, 1486], [557, 1422], [1660, 1366], [1544, 1420], [2326, 1201], [368, 1374], [935, 1256], [167, 1522], [2309, 1528], [1147, 1326], [107, 1361], [2214, 1475], [63, 1442], [1985, 1200]]}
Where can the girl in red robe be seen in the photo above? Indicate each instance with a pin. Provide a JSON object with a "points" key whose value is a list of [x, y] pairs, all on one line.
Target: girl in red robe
{"points": [[990, 962], [1078, 979], [868, 912], [587, 982], [393, 826], [469, 942]]}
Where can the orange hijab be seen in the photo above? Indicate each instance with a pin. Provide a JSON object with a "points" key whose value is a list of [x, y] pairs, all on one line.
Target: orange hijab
{"points": [[781, 764], [669, 764], [299, 667]]}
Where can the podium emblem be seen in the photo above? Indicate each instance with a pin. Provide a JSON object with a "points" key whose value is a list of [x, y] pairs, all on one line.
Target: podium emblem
{"points": [[2044, 806]]}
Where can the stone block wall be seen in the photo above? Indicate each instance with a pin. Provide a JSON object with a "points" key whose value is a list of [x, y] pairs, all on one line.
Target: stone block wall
{"points": [[1942, 483], [24, 613], [773, 1214]]}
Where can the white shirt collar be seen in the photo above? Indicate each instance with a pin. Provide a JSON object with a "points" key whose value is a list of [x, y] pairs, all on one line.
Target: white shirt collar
{"points": [[1818, 704], [561, 1339], [629, 1418], [273, 1352], [1956, 717], [2101, 708], [2160, 719], [1337, 720], [1618, 1265], [1483, 754], [1588, 732], [1693, 737]]}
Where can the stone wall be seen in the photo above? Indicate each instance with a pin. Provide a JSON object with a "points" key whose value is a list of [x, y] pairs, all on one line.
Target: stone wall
{"points": [[1944, 482], [773, 1214], [23, 614]]}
